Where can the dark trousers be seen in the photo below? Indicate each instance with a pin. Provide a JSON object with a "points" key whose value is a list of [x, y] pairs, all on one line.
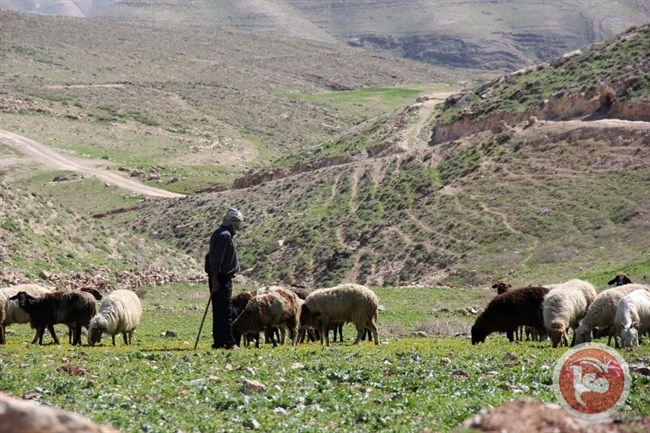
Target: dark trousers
{"points": [[221, 312]]}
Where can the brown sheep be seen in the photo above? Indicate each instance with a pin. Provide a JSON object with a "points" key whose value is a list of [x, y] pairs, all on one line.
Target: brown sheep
{"points": [[508, 311], [279, 308]]}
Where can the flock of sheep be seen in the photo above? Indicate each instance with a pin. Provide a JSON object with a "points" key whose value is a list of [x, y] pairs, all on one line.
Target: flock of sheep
{"points": [[305, 314], [549, 311], [119, 312], [552, 310], [272, 308]]}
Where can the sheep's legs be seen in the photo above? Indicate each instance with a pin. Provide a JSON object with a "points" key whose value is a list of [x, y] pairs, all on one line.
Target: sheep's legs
{"points": [[375, 333], [76, 339], [2, 334], [41, 330]]}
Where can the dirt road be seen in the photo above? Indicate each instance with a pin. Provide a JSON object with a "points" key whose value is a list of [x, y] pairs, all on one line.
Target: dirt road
{"points": [[54, 159]]}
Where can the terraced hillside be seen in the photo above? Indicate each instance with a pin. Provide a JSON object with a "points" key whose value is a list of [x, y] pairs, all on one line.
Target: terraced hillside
{"points": [[533, 204]]}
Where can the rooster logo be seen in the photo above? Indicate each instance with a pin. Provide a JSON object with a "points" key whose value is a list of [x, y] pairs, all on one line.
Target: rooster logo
{"points": [[589, 382]]}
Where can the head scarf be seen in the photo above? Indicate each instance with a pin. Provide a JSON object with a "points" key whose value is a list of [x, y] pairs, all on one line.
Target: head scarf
{"points": [[233, 219]]}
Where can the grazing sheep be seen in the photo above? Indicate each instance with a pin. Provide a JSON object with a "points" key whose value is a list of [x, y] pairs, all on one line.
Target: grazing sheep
{"points": [[341, 304], [510, 310], [620, 279], [119, 313], [2, 320], [602, 311], [563, 308], [72, 308], [279, 308], [633, 317], [13, 312], [273, 333]]}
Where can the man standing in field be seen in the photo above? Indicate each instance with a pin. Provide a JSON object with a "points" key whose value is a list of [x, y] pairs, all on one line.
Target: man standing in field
{"points": [[221, 265]]}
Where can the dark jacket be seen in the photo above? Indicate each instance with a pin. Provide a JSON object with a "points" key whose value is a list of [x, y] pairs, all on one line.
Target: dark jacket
{"points": [[223, 253]]}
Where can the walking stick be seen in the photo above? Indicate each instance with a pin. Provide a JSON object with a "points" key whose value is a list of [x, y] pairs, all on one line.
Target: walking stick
{"points": [[196, 343]]}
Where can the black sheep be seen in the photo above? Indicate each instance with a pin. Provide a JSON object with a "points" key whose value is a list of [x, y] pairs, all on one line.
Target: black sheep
{"points": [[73, 308], [620, 279], [508, 311]]}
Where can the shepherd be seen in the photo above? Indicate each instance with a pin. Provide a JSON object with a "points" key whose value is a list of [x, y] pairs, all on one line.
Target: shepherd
{"points": [[222, 263]]}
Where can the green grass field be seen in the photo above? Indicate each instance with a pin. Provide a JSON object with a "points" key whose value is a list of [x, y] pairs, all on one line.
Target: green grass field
{"points": [[160, 384]]}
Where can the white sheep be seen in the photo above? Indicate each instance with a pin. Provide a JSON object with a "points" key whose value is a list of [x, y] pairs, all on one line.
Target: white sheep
{"points": [[602, 311], [633, 317], [563, 308], [119, 312], [13, 312], [341, 304]]}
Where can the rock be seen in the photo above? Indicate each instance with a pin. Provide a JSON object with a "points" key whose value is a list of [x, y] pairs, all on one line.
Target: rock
{"points": [[252, 424], [640, 368], [274, 246], [17, 416], [280, 411], [528, 415], [252, 386]]}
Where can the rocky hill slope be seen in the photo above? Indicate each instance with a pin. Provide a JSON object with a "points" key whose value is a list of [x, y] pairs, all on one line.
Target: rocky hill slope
{"points": [[533, 200]]}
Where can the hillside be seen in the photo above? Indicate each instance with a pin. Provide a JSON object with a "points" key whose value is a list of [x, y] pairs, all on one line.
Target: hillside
{"points": [[375, 200], [534, 201], [195, 106], [544, 203], [486, 34]]}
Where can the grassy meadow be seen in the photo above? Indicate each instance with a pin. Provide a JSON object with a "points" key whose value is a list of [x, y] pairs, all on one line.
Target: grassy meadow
{"points": [[408, 383]]}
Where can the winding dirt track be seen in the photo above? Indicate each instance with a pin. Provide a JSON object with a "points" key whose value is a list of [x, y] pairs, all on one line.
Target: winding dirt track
{"points": [[54, 159]]}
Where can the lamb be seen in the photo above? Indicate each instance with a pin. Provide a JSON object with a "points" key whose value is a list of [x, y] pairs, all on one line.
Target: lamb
{"points": [[72, 308], [273, 333], [633, 317], [120, 312], [508, 311], [602, 311], [341, 304], [280, 307], [563, 308], [239, 303], [620, 280]]}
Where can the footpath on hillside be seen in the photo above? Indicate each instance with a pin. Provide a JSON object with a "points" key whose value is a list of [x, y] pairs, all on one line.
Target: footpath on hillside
{"points": [[57, 160]]}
